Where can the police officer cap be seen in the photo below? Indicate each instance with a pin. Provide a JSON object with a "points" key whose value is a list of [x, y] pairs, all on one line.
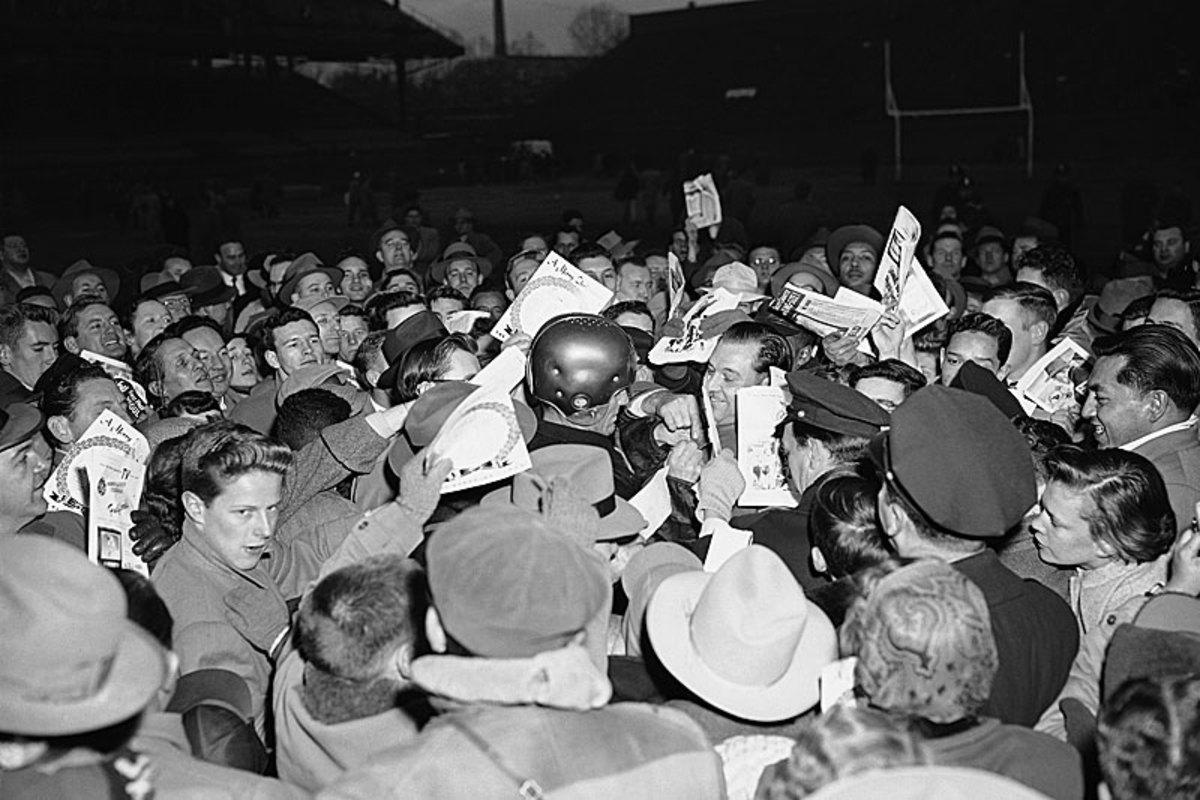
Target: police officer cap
{"points": [[833, 407]]}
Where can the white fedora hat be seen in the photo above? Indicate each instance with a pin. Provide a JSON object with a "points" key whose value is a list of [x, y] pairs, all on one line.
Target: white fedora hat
{"points": [[745, 639]]}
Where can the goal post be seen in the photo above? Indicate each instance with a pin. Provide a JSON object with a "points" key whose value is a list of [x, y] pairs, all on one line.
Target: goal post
{"points": [[1024, 105]]}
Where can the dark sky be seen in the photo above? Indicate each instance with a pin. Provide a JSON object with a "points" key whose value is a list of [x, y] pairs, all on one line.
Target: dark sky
{"points": [[547, 19]]}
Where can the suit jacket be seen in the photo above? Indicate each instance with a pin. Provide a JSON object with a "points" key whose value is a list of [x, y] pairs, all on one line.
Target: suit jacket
{"points": [[9, 283], [1177, 457], [1036, 639]]}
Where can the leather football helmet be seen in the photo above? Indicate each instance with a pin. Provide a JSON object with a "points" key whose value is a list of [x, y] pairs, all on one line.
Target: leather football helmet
{"points": [[577, 362]]}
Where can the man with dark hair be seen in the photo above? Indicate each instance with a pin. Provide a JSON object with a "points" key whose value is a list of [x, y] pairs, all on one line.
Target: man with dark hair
{"points": [[1142, 397], [1052, 267], [344, 693], [566, 240], [15, 272], [889, 382], [28, 346], [230, 259], [957, 473], [288, 341], [391, 308], [976, 337], [354, 324], [303, 415], [594, 261], [90, 324], [1179, 309], [991, 256], [1029, 312]]}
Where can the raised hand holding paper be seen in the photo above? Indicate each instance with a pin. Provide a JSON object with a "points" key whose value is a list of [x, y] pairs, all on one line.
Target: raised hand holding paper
{"points": [[902, 281], [846, 312], [110, 435], [703, 201], [555, 288], [482, 440], [675, 282], [691, 345]]}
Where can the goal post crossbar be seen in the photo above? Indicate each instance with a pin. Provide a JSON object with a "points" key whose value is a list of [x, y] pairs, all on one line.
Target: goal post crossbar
{"points": [[893, 110]]}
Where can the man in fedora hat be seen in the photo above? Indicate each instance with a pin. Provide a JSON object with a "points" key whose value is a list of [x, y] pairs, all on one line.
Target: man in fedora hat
{"points": [[84, 690], [308, 278], [211, 296], [744, 640], [955, 474], [526, 710], [81, 279], [990, 257], [852, 253], [461, 268]]}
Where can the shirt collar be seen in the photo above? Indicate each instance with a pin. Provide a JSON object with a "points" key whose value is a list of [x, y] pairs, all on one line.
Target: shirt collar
{"points": [[1158, 434]]}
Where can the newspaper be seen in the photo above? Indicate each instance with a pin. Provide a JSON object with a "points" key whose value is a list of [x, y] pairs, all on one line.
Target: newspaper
{"points": [[503, 372], [675, 284], [897, 255], [1048, 383], [482, 439], [136, 402], [692, 345], [760, 409], [555, 288], [653, 502], [703, 201], [847, 312], [710, 423], [110, 438], [901, 280], [114, 491]]}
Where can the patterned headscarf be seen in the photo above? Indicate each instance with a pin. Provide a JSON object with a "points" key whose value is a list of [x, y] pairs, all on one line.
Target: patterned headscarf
{"points": [[923, 637]]}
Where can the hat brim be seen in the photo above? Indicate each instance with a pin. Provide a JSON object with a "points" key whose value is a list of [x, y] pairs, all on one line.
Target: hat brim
{"points": [[23, 422], [847, 235], [437, 270], [742, 296], [221, 295], [402, 450], [781, 276], [167, 288], [668, 620], [624, 521], [137, 671]]}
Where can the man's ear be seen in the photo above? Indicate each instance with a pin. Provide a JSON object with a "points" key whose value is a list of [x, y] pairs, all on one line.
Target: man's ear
{"points": [[59, 428], [1040, 331], [1062, 298], [272, 359], [373, 376], [379, 256], [402, 659], [1158, 403], [194, 507], [71, 345], [434, 631], [6, 356]]}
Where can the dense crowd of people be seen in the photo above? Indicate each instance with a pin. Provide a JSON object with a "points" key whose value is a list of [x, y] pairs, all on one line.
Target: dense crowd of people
{"points": [[969, 594]]}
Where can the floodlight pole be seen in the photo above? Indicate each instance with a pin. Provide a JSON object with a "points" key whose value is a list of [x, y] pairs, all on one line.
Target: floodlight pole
{"points": [[501, 43]]}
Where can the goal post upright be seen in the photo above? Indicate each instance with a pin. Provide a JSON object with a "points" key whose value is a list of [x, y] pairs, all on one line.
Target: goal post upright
{"points": [[892, 108]]}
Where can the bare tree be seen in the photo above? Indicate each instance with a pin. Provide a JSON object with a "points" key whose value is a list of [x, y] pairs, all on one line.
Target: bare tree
{"points": [[596, 29], [527, 45]]}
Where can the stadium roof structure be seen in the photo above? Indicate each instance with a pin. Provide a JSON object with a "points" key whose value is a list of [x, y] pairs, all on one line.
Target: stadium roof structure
{"points": [[320, 30]]}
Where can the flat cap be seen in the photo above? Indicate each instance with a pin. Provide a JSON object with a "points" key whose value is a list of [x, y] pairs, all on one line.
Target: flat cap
{"points": [[955, 457], [833, 407]]}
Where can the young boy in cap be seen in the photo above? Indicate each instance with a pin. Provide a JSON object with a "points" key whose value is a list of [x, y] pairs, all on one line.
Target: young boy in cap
{"points": [[955, 474]]}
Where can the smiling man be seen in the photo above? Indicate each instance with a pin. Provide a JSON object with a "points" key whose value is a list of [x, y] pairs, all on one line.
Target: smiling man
{"points": [[288, 341], [208, 343], [976, 337], [28, 346], [23, 469], [90, 324], [167, 367], [1142, 396], [852, 251], [743, 357]]}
